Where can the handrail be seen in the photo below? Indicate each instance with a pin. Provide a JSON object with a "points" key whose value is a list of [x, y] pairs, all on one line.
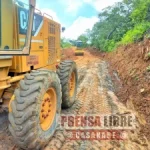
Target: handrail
{"points": [[39, 11], [48, 15]]}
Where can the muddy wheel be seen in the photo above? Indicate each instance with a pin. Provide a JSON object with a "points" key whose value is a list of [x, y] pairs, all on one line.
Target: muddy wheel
{"points": [[68, 75], [35, 108]]}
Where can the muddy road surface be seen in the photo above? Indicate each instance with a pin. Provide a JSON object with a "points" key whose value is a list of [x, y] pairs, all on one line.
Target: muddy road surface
{"points": [[95, 95]]}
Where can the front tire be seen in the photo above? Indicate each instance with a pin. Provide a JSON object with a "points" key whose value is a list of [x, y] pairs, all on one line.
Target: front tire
{"points": [[35, 109]]}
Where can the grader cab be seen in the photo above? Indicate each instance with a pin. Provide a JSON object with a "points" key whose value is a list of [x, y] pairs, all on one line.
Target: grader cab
{"points": [[34, 82]]}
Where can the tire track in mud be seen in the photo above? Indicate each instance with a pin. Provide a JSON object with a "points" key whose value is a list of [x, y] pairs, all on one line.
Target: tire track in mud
{"points": [[96, 96], [92, 98]]}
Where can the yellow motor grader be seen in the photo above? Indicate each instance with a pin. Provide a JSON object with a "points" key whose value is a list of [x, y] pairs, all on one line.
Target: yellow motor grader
{"points": [[34, 82], [79, 51]]}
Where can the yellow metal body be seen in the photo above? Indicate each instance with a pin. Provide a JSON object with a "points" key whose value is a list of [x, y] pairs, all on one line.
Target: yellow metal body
{"points": [[79, 48], [79, 51], [6, 17], [45, 45]]}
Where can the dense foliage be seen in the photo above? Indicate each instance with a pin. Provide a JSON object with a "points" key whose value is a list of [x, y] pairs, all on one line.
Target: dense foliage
{"points": [[123, 23], [84, 39], [69, 43], [65, 43]]}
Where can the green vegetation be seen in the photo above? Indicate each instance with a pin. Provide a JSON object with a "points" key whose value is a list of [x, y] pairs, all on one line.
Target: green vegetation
{"points": [[148, 69], [136, 34], [65, 44], [84, 38], [123, 23]]}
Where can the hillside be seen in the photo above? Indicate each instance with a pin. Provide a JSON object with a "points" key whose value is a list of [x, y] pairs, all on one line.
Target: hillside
{"points": [[132, 64]]}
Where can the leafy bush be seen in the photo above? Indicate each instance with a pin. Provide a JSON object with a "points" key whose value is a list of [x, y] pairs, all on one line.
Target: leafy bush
{"points": [[65, 44], [110, 45], [136, 33]]}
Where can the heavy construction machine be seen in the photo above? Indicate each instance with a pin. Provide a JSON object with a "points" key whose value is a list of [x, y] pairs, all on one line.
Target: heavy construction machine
{"points": [[34, 82], [79, 48]]}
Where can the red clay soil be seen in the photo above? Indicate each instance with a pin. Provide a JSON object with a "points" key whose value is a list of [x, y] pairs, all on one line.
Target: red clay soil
{"points": [[68, 54], [131, 64]]}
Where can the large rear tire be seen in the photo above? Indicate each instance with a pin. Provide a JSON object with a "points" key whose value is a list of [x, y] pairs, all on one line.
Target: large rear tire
{"points": [[67, 72], [35, 109]]}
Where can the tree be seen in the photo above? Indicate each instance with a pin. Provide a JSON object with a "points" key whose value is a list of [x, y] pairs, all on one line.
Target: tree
{"points": [[65, 43], [84, 40], [124, 22]]}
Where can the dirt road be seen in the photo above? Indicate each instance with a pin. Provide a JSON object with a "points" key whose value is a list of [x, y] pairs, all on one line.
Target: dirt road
{"points": [[96, 95]]}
